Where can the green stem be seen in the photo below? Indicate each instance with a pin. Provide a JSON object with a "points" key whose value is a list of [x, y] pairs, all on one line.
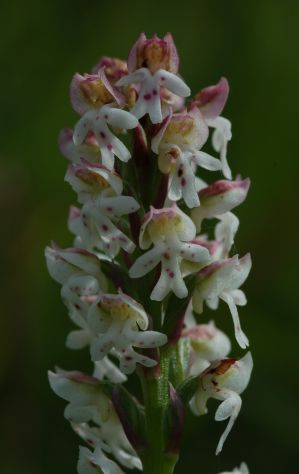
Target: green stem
{"points": [[156, 396]]}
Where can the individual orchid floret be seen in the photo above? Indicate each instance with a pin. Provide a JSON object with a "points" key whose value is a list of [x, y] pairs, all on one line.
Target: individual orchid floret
{"points": [[94, 226], [208, 344], [97, 121], [222, 280], [119, 322], [152, 65], [115, 69], [225, 380], [86, 398], [178, 142], [81, 277], [171, 232], [91, 180], [110, 438], [93, 91], [243, 469], [220, 197], [149, 97], [211, 101], [64, 264], [88, 150]]}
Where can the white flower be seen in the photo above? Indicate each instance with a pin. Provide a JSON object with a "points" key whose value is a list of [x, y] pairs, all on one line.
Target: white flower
{"points": [[208, 344], [99, 190], [170, 231], [222, 280], [84, 394], [110, 437], [119, 323], [96, 121], [211, 101], [149, 97], [218, 198], [178, 142], [225, 381]]}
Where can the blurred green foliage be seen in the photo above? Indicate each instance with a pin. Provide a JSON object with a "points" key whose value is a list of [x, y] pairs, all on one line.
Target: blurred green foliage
{"points": [[255, 45]]}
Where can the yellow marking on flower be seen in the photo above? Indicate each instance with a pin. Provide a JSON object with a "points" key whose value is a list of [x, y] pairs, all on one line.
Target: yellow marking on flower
{"points": [[93, 178], [96, 92], [181, 132], [154, 56], [118, 310], [164, 224]]}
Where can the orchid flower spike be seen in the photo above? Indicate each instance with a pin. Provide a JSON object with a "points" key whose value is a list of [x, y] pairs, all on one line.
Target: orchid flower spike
{"points": [[225, 381], [211, 101], [171, 232], [178, 141], [222, 280], [153, 64], [119, 322]]}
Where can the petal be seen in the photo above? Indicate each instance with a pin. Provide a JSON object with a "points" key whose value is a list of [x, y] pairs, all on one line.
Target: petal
{"points": [[78, 339], [81, 129], [173, 83], [239, 334], [211, 100], [154, 109], [120, 118], [195, 253], [120, 205], [134, 78], [119, 149], [105, 368], [231, 405], [206, 161], [146, 263]]}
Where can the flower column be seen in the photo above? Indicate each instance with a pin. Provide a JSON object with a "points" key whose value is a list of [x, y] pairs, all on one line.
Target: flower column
{"points": [[141, 266]]}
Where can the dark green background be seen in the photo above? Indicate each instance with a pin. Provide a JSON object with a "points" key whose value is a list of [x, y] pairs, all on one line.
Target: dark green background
{"points": [[255, 45]]}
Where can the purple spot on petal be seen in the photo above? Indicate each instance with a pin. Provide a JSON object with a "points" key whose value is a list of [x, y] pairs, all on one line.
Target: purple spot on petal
{"points": [[147, 96]]}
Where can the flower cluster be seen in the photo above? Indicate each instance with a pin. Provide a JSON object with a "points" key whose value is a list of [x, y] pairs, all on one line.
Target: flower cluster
{"points": [[153, 242]]}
